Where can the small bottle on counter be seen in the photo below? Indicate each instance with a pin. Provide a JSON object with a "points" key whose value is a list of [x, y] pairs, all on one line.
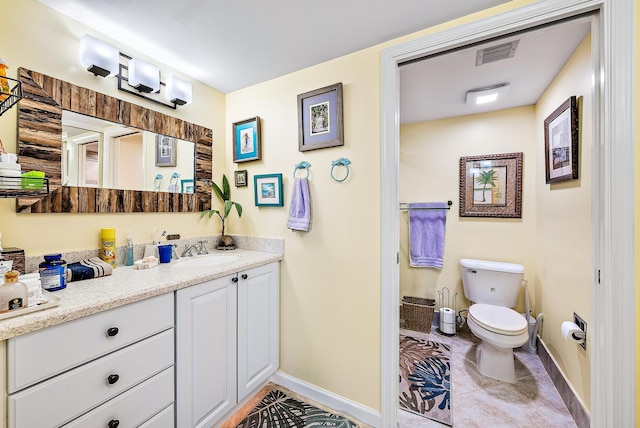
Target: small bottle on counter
{"points": [[53, 272], [13, 294], [108, 246], [128, 251]]}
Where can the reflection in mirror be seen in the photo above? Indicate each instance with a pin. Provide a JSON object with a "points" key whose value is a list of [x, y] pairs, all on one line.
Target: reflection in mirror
{"points": [[98, 153]]}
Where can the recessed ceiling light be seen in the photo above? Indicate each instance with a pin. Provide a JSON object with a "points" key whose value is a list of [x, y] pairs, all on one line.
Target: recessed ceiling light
{"points": [[487, 95]]}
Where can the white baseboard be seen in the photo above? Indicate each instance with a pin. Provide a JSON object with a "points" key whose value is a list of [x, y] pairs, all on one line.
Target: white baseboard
{"points": [[340, 404]]}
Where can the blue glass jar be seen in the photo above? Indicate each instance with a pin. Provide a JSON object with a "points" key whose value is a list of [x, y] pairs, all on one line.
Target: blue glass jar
{"points": [[53, 272]]}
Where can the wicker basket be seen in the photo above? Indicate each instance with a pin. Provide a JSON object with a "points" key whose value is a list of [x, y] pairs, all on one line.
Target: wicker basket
{"points": [[417, 313]]}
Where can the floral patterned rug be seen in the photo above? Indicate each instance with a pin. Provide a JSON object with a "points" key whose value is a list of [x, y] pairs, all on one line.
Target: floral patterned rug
{"points": [[425, 378], [278, 410]]}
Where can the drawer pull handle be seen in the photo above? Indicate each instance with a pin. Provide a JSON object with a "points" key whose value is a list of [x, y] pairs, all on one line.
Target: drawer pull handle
{"points": [[234, 279], [113, 379], [113, 423], [112, 331], [245, 276]]}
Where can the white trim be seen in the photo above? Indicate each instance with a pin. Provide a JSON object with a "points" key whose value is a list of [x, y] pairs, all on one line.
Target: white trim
{"points": [[613, 303], [326, 398]]}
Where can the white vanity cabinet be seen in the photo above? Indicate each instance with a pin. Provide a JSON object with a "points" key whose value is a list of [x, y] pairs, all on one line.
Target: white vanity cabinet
{"points": [[114, 368], [227, 342]]}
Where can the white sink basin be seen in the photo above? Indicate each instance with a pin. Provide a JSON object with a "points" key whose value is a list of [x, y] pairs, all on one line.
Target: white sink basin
{"points": [[204, 261]]}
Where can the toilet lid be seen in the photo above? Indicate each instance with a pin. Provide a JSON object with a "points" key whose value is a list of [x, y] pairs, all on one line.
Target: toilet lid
{"points": [[498, 319]]}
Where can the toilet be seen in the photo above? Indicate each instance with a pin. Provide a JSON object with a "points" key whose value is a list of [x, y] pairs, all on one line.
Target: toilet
{"points": [[493, 289]]}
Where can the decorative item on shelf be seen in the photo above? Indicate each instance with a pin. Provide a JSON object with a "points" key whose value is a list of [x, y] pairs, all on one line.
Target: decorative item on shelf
{"points": [[320, 123], [268, 190], [226, 242], [340, 162], [247, 140], [103, 60]]}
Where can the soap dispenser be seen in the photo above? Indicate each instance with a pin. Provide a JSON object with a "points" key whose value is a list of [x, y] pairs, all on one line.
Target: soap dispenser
{"points": [[13, 294], [128, 251]]}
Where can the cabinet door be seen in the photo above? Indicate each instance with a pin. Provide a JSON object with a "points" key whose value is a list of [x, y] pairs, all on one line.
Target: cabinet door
{"points": [[205, 352], [258, 326]]}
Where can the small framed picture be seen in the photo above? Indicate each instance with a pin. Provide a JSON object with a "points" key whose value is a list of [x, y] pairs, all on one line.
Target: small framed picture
{"points": [[246, 140], [320, 123], [561, 142], [240, 178], [165, 150], [268, 190], [491, 185], [187, 186]]}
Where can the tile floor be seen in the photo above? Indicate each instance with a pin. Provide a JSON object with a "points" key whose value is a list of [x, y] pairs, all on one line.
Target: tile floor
{"points": [[480, 401]]}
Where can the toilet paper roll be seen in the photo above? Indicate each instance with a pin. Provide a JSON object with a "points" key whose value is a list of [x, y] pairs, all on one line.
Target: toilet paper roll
{"points": [[571, 331], [447, 315]]}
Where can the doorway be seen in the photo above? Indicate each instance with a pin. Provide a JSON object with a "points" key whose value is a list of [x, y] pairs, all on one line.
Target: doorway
{"points": [[613, 389]]}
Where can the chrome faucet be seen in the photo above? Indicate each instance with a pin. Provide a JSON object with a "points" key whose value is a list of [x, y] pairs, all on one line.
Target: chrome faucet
{"points": [[202, 248], [187, 250]]}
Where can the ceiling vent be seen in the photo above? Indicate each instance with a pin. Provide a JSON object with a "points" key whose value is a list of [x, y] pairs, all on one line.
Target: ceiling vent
{"points": [[497, 52]]}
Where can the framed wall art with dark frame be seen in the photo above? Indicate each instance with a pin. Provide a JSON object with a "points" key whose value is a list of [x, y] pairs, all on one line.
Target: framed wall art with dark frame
{"points": [[165, 150], [320, 123], [491, 185], [268, 190], [247, 140], [561, 142], [240, 178]]}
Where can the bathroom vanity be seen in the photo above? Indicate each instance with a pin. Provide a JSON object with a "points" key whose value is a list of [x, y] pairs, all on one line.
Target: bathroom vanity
{"points": [[147, 347]]}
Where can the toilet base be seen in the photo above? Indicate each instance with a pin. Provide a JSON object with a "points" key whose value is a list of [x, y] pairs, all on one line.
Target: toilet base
{"points": [[496, 363]]}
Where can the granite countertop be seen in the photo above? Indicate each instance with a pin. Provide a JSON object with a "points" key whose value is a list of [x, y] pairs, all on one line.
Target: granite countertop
{"points": [[128, 285]]}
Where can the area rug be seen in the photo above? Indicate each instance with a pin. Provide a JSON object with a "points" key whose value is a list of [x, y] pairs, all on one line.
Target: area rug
{"points": [[425, 378], [278, 410]]}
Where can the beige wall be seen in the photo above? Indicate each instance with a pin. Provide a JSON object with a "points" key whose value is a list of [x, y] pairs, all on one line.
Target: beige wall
{"points": [[636, 121], [429, 157], [563, 229], [38, 38]]}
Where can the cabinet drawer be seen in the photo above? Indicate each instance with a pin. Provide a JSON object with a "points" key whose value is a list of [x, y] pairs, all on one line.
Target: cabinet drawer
{"points": [[42, 354], [164, 419], [69, 395], [132, 407]]}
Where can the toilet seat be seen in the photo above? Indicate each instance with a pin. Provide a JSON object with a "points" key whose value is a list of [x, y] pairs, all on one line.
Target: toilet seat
{"points": [[498, 319]]}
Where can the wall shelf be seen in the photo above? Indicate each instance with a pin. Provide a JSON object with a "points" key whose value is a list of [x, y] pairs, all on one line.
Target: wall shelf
{"points": [[12, 187], [13, 97]]}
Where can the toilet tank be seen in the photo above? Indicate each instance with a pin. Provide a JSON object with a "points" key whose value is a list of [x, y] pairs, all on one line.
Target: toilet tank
{"points": [[494, 283]]}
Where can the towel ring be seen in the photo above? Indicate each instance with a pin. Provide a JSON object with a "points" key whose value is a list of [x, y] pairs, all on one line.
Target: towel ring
{"points": [[340, 162], [174, 179], [302, 165], [157, 182]]}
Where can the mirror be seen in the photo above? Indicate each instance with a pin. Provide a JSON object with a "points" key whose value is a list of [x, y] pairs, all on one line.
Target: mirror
{"points": [[97, 153], [40, 147]]}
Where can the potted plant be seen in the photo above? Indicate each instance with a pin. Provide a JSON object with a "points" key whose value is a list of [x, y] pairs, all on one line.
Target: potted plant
{"points": [[226, 242]]}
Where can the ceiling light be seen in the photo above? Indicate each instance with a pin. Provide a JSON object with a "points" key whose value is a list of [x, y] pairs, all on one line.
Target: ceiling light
{"points": [[488, 94], [98, 57], [179, 90], [143, 76]]}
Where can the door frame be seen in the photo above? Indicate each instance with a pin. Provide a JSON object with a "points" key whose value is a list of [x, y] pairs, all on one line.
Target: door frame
{"points": [[613, 377]]}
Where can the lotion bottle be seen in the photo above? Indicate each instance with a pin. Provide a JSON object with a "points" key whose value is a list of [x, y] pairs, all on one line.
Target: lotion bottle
{"points": [[128, 252], [13, 294]]}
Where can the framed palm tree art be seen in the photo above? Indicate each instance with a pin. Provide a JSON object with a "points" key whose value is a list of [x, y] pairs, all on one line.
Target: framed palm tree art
{"points": [[491, 185]]}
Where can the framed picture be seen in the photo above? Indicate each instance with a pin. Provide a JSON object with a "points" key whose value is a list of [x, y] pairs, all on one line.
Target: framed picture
{"points": [[491, 185], [165, 150], [320, 122], [268, 190], [246, 140], [561, 142], [187, 186], [240, 178]]}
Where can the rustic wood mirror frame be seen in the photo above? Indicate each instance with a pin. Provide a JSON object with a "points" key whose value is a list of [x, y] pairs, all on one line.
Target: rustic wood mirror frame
{"points": [[40, 148]]}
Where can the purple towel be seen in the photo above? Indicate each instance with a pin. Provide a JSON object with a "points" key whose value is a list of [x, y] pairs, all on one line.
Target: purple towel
{"points": [[426, 234], [300, 211]]}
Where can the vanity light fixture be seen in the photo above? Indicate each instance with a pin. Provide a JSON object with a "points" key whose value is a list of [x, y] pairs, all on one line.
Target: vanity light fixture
{"points": [[143, 76], [179, 91], [488, 94], [103, 60], [98, 57]]}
